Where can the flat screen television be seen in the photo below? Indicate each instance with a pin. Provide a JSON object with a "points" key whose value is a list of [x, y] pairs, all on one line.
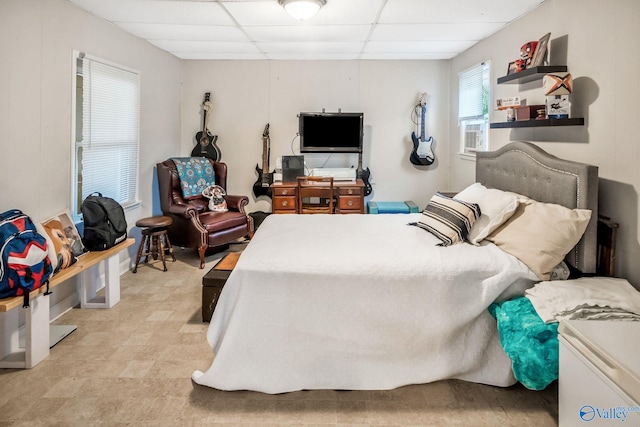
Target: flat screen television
{"points": [[330, 132]]}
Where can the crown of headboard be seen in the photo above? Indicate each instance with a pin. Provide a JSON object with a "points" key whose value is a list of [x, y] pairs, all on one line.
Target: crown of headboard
{"points": [[524, 168]]}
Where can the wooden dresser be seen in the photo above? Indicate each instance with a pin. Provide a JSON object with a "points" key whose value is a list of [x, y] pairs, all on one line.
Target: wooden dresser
{"points": [[349, 197]]}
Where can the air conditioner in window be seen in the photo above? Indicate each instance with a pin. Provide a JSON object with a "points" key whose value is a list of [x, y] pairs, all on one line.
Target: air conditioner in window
{"points": [[473, 136]]}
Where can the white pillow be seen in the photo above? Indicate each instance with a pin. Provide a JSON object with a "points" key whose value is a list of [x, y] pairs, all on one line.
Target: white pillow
{"points": [[496, 207]]}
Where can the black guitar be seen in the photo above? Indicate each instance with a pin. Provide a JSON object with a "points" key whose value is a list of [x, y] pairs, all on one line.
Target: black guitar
{"points": [[364, 175], [422, 154], [262, 187], [206, 143]]}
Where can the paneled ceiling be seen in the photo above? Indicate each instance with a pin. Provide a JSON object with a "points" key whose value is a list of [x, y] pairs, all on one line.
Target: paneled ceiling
{"points": [[342, 29]]}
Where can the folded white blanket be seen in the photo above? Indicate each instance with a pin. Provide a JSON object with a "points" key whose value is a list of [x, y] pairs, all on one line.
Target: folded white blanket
{"points": [[586, 298]]}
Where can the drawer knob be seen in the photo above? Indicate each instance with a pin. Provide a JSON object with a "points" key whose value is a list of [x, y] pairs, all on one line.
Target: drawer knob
{"points": [[350, 202], [285, 192], [285, 202], [350, 191]]}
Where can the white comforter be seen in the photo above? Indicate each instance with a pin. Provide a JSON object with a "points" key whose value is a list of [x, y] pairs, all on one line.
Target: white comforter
{"points": [[359, 302]]}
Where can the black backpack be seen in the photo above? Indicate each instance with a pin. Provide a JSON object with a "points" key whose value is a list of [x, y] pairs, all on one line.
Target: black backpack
{"points": [[104, 223]]}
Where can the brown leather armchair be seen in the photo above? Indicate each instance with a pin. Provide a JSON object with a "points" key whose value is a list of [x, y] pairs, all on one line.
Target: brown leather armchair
{"points": [[194, 225]]}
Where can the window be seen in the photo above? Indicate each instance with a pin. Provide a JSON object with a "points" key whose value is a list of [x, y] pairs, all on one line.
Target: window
{"points": [[107, 123], [473, 109]]}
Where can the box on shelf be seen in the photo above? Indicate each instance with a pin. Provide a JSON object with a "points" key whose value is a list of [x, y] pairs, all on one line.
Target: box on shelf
{"points": [[558, 107], [529, 112]]}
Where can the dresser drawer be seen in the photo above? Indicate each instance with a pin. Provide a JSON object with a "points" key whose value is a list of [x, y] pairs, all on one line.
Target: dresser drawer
{"points": [[284, 191], [349, 203], [282, 203], [350, 191]]}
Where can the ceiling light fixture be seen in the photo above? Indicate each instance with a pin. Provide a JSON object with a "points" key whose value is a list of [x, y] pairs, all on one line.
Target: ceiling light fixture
{"points": [[302, 9]]}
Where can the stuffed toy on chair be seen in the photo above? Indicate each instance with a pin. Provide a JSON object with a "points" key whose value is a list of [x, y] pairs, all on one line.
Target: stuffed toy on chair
{"points": [[215, 194]]}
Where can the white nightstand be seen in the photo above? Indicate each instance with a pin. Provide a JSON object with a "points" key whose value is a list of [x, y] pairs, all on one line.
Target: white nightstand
{"points": [[599, 379]]}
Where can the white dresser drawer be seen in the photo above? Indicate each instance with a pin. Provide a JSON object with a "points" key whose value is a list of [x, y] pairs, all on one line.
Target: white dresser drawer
{"points": [[598, 380]]}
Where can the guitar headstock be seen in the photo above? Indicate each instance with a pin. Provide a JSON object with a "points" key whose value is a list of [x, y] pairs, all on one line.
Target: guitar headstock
{"points": [[265, 133], [422, 99]]}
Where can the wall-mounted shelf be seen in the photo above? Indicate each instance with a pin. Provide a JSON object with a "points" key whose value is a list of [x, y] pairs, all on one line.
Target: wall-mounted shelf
{"points": [[531, 74], [577, 121]]}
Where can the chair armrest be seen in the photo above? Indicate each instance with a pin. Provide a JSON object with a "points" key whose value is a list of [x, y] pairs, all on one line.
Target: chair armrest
{"points": [[237, 203], [183, 210]]}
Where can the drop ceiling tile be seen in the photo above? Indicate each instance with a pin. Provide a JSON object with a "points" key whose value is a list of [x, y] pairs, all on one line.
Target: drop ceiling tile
{"points": [[312, 56], [312, 47], [316, 33], [417, 46], [408, 56], [158, 11], [205, 46], [219, 56], [348, 12], [259, 13], [417, 11], [455, 31], [185, 32]]}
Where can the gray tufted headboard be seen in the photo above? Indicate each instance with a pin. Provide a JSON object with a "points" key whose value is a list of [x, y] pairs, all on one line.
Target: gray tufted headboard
{"points": [[526, 169]]}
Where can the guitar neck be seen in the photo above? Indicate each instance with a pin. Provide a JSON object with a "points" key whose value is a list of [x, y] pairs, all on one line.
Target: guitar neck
{"points": [[265, 154], [422, 117], [204, 122]]}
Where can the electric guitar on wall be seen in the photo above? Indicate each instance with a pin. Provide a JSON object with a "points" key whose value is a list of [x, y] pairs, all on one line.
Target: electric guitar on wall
{"points": [[422, 154], [262, 187], [364, 175], [206, 143]]}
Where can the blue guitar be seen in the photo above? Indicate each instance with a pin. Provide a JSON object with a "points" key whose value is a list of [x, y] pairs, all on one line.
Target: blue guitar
{"points": [[422, 154]]}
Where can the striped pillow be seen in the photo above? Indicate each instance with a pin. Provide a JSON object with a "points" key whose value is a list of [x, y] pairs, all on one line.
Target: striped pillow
{"points": [[448, 219]]}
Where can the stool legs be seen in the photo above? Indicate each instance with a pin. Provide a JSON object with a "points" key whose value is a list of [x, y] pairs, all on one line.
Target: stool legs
{"points": [[144, 242], [168, 247], [155, 242], [158, 244], [147, 239]]}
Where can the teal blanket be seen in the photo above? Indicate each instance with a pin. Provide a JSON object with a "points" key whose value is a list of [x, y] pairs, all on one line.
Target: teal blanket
{"points": [[531, 344]]}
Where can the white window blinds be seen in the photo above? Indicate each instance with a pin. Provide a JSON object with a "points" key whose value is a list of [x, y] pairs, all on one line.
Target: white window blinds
{"points": [[107, 132], [473, 108], [473, 87]]}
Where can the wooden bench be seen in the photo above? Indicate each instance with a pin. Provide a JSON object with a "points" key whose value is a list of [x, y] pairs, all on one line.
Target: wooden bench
{"points": [[37, 328]]}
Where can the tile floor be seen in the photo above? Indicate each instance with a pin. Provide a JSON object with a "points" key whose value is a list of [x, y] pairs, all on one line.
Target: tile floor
{"points": [[131, 365]]}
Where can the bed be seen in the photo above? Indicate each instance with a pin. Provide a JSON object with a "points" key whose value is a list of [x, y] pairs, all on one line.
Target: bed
{"points": [[367, 302]]}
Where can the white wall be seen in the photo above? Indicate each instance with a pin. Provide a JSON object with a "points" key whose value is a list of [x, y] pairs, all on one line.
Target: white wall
{"points": [[600, 43], [37, 39], [249, 94]]}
